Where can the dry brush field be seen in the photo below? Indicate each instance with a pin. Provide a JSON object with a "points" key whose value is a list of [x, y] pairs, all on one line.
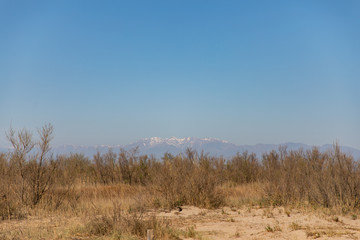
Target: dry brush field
{"points": [[283, 195]]}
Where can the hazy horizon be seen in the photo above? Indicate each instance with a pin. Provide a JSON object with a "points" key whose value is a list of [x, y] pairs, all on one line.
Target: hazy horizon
{"points": [[131, 145], [108, 73]]}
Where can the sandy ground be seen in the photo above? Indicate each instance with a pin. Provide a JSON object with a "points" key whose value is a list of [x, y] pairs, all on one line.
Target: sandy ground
{"points": [[265, 223], [225, 223]]}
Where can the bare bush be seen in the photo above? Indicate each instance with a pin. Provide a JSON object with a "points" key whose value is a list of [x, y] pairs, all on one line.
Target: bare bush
{"points": [[328, 179], [244, 168], [22, 144], [31, 172], [32, 176], [105, 167], [132, 223], [188, 180]]}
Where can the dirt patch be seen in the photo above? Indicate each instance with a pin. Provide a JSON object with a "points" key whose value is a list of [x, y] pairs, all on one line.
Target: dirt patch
{"points": [[262, 223], [197, 223]]}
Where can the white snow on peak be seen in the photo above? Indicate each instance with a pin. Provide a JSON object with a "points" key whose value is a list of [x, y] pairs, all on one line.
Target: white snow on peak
{"points": [[155, 140], [177, 142]]}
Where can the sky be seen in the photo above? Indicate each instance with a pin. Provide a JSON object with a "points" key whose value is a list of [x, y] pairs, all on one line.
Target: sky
{"points": [[113, 72]]}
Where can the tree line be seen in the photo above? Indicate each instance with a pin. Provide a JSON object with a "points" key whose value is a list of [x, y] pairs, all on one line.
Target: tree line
{"points": [[31, 175]]}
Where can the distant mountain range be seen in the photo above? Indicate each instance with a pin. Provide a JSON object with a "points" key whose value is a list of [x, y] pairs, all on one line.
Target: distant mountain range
{"points": [[158, 146]]}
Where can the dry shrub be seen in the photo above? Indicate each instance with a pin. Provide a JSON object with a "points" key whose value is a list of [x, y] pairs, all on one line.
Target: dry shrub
{"points": [[244, 168], [134, 169], [10, 204], [108, 191], [100, 226], [134, 222], [237, 195], [32, 169], [187, 180], [330, 179], [10, 209], [32, 177]]}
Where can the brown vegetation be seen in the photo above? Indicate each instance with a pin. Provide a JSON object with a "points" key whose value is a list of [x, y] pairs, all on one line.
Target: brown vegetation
{"points": [[116, 192]]}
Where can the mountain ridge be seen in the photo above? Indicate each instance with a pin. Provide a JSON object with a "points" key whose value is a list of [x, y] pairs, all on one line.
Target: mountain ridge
{"points": [[158, 146]]}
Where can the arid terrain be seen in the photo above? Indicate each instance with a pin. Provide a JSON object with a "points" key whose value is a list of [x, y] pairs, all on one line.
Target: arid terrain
{"points": [[284, 195], [126, 212], [197, 223]]}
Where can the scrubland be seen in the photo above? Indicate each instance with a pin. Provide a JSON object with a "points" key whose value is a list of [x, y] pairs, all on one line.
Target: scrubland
{"points": [[284, 195]]}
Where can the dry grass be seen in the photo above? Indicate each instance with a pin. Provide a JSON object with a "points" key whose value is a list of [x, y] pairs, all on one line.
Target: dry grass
{"points": [[119, 196], [124, 217], [245, 194]]}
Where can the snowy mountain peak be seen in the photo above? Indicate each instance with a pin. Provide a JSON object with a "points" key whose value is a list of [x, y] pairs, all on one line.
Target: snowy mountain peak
{"points": [[177, 142], [155, 140]]}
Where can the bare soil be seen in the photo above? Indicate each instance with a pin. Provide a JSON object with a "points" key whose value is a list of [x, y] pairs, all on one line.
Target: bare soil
{"points": [[264, 223], [224, 223]]}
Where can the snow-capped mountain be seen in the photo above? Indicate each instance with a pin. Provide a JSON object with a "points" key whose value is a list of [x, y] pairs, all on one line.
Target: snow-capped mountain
{"points": [[177, 142], [215, 147], [158, 146]]}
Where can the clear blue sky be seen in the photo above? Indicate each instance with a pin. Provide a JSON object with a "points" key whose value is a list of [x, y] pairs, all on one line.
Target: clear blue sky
{"points": [[112, 72]]}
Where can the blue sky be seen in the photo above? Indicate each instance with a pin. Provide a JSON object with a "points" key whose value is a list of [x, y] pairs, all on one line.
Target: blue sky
{"points": [[112, 72]]}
